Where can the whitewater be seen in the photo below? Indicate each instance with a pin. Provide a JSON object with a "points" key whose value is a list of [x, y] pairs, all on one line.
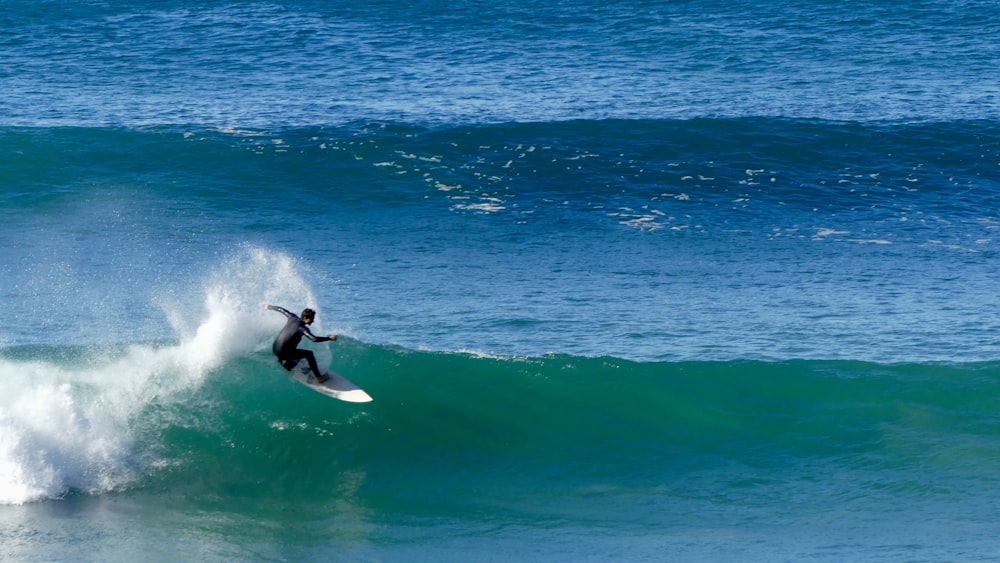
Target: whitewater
{"points": [[71, 415]]}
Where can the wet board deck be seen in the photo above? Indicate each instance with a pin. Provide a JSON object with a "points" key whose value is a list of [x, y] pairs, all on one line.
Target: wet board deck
{"points": [[338, 386]]}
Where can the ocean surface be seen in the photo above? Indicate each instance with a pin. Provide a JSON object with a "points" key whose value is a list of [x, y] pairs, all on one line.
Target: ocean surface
{"points": [[628, 281]]}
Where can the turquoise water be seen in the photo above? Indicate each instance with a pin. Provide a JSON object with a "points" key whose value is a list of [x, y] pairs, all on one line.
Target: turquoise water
{"points": [[560, 457], [646, 281]]}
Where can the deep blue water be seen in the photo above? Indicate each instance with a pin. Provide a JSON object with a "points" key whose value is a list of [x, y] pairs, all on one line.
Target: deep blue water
{"points": [[641, 280], [308, 63]]}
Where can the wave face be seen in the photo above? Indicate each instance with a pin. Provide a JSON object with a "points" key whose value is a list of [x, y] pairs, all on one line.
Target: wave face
{"points": [[178, 419], [459, 445]]}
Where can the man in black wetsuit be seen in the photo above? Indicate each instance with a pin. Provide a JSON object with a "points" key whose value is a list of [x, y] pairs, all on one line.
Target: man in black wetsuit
{"points": [[286, 344]]}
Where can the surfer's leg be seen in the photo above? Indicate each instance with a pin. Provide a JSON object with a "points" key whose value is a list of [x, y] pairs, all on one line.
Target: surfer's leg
{"points": [[288, 361], [311, 358]]}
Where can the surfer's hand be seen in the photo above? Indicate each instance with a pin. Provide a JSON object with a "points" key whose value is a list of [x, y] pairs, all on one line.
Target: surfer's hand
{"points": [[263, 306], [333, 337]]}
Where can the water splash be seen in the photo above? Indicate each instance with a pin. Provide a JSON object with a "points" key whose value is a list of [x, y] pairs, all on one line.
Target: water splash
{"points": [[70, 419]]}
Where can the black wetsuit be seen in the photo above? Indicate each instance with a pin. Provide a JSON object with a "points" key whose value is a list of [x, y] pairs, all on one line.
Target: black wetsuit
{"points": [[286, 344]]}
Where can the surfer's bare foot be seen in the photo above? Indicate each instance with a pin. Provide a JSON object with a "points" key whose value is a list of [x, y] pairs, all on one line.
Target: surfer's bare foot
{"points": [[323, 378]]}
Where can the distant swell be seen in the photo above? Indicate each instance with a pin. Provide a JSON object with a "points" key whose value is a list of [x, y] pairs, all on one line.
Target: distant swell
{"points": [[881, 235], [940, 168]]}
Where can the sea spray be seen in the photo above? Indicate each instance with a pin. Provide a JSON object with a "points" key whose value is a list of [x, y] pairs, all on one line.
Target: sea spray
{"points": [[70, 417], [232, 322]]}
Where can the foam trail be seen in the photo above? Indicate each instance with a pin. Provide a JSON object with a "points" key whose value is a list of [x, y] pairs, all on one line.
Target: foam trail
{"points": [[73, 424]]}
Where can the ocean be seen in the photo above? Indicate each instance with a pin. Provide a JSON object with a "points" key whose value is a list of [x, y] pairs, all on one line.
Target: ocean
{"points": [[628, 281]]}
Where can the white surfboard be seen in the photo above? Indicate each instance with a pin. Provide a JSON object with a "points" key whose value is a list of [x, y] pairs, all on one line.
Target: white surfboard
{"points": [[338, 386]]}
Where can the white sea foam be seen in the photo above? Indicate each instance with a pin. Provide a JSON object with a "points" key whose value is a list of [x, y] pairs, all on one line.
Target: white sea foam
{"points": [[75, 427]]}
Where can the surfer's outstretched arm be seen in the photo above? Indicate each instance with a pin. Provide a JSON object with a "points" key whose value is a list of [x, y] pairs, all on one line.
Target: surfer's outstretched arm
{"points": [[281, 310], [308, 334]]}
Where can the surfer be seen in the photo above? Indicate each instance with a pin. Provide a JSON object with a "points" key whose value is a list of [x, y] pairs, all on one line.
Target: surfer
{"points": [[286, 344]]}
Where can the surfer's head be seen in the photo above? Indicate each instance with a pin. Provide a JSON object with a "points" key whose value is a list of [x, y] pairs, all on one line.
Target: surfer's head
{"points": [[308, 315]]}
